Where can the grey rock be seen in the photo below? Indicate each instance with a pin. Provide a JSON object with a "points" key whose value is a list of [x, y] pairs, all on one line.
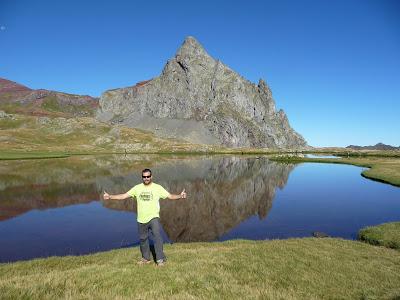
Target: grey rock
{"points": [[319, 234], [43, 120], [201, 100], [4, 115]]}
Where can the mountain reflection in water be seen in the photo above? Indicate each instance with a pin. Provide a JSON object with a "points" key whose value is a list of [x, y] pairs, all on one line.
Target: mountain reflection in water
{"points": [[222, 191], [221, 194]]}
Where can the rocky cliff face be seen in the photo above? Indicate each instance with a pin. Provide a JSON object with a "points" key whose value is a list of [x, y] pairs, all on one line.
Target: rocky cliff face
{"points": [[201, 100]]}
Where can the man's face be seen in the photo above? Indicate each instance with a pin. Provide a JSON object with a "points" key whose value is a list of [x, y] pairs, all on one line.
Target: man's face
{"points": [[146, 177]]}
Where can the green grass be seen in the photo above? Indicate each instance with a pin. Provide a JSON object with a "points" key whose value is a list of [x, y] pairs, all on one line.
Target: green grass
{"points": [[7, 123], [4, 155], [50, 103], [9, 107], [279, 269], [387, 235], [355, 153]]}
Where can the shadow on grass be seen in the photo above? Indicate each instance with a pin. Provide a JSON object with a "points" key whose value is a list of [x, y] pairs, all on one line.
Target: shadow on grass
{"points": [[152, 249]]}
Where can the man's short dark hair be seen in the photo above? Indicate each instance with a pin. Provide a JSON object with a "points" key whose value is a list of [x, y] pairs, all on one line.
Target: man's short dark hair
{"points": [[146, 170]]}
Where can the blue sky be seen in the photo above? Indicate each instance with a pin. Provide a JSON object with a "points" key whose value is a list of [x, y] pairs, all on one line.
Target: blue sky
{"points": [[333, 66]]}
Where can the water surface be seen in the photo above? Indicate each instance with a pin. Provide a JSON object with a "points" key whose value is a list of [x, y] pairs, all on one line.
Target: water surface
{"points": [[52, 207], [320, 156]]}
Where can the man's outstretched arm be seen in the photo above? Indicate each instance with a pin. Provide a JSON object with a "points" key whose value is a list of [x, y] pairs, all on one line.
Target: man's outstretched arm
{"points": [[182, 195], [107, 196]]}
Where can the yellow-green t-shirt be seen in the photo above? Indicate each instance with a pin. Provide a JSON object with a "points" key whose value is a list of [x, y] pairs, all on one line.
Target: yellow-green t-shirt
{"points": [[147, 196]]}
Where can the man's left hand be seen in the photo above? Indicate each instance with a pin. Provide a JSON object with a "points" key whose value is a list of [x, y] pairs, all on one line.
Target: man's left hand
{"points": [[183, 194]]}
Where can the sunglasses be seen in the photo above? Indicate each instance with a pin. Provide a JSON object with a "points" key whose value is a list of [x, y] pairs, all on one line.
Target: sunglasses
{"points": [[146, 176]]}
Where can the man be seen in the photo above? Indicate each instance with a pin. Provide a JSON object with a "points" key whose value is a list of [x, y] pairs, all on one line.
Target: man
{"points": [[147, 196]]}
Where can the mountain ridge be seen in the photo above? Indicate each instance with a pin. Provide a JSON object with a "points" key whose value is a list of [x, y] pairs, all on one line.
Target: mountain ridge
{"points": [[17, 98], [378, 146]]}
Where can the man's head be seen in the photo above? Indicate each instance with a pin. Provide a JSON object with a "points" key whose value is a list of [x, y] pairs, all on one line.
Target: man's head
{"points": [[146, 176]]}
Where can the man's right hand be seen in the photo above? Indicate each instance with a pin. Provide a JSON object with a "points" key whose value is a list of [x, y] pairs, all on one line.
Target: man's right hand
{"points": [[106, 196]]}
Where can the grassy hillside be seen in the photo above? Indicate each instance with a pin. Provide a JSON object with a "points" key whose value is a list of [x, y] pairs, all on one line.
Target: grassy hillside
{"points": [[83, 135], [48, 105]]}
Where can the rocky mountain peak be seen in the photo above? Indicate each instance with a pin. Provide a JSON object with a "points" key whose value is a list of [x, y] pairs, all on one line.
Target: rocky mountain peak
{"points": [[191, 48], [264, 88], [192, 59], [200, 99], [262, 85]]}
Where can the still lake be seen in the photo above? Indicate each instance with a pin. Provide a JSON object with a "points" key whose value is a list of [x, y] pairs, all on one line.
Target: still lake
{"points": [[52, 206]]}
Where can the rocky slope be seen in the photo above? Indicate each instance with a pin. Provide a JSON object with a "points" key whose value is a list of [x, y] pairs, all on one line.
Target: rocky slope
{"points": [[201, 100]]}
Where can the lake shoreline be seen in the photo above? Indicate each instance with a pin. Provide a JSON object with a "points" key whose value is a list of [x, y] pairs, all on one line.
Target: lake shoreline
{"points": [[383, 166], [281, 154], [382, 169]]}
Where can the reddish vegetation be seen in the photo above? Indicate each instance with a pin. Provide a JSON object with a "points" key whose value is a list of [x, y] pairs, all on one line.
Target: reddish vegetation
{"points": [[31, 100], [141, 83], [7, 86], [42, 198]]}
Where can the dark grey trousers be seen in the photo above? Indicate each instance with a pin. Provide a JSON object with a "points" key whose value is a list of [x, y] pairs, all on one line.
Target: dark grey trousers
{"points": [[154, 226]]}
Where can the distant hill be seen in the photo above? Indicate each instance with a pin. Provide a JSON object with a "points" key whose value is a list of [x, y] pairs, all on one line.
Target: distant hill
{"points": [[17, 98], [379, 146]]}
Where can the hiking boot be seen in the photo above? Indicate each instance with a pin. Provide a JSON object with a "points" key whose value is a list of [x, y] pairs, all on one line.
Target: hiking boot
{"points": [[143, 261], [160, 263]]}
